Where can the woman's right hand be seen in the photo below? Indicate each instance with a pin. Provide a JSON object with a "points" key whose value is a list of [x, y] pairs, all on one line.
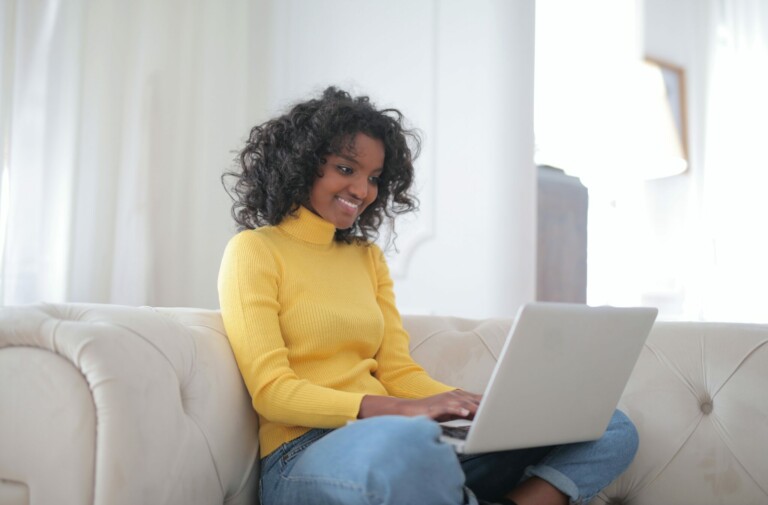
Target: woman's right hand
{"points": [[442, 407]]}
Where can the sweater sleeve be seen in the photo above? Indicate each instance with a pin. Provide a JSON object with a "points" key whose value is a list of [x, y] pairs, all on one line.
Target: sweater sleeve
{"points": [[397, 371], [249, 281]]}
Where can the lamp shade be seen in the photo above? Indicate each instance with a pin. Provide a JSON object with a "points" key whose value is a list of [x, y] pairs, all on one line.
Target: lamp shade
{"points": [[623, 127]]}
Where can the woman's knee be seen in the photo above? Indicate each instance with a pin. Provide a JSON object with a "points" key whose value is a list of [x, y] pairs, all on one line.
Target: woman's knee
{"points": [[390, 437], [403, 457], [624, 437]]}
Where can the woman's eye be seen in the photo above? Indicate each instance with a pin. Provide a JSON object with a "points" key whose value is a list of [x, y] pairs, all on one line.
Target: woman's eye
{"points": [[375, 180], [344, 170]]}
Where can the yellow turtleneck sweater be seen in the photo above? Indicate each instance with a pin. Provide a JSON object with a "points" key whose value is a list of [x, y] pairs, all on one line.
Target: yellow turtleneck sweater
{"points": [[314, 327]]}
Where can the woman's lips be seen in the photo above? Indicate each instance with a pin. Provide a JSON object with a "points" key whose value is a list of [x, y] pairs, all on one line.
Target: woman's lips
{"points": [[349, 205]]}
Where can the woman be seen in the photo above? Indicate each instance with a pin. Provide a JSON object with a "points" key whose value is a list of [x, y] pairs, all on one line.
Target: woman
{"points": [[308, 306]]}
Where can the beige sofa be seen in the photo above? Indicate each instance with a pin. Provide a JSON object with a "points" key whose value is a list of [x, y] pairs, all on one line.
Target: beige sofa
{"points": [[116, 405]]}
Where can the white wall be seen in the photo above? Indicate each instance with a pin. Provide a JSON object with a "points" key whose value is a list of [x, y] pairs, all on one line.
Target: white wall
{"points": [[159, 108], [462, 72]]}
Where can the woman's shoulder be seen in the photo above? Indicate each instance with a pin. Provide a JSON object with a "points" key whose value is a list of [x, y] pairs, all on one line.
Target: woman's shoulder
{"points": [[252, 240], [375, 253]]}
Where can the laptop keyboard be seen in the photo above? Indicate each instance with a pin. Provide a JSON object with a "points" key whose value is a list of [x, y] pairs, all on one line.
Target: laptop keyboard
{"points": [[459, 432]]}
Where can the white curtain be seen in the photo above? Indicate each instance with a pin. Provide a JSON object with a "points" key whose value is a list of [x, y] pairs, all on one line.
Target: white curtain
{"points": [[117, 120], [735, 191]]}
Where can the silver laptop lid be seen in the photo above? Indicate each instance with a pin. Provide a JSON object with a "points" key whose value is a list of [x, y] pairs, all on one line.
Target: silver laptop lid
{"points": [[559, 376]]}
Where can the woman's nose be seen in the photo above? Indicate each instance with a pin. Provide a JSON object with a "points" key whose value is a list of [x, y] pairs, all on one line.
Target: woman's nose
{"points": [[359, 188]]}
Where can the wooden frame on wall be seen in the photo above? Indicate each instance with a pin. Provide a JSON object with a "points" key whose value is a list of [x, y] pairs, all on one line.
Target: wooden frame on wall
{"points": [[674, 82]]}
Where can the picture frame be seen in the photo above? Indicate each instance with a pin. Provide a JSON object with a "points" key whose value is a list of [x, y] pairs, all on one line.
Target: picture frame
{"points": [[674, 82]]}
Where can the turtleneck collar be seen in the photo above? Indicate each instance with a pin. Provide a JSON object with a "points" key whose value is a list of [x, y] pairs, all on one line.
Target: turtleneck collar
{"points": [[309, 227]]}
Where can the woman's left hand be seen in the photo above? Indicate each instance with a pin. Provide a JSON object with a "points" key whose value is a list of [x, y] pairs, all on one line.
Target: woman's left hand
{"points": [[454, 404]]}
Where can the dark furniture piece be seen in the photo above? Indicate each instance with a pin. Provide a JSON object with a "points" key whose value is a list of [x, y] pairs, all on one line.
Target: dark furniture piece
{"points": [[562, 237]]}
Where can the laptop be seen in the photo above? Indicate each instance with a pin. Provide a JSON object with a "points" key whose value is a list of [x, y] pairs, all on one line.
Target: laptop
{"points": [[559, 377]]}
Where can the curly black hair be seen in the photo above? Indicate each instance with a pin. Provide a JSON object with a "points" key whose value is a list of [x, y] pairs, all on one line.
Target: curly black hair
{"points": [[281, 158]]}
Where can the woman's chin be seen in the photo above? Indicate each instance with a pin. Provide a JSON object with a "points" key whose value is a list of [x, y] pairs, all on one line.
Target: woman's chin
{"points": [[345, 225], [344, 220]]}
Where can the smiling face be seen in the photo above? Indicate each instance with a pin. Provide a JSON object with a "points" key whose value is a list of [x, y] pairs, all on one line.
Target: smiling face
{"points": [[348, 182]]}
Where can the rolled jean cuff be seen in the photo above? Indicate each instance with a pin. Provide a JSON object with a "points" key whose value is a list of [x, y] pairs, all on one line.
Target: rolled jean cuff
{"points": [[469, 497], [557, 479]]}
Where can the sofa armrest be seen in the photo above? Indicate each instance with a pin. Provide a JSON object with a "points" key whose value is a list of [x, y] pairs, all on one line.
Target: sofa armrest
{"points": [[118, 405]]}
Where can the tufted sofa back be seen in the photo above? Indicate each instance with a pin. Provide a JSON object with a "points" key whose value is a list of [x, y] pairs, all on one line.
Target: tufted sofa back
{"points": [[117, 405], [698, 396]]}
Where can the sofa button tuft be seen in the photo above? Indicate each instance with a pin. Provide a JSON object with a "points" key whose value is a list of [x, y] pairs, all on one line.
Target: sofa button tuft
{"points": [[706, 407], [183, 399]]}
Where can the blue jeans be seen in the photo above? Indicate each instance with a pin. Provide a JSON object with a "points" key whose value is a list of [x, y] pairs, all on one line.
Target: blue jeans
{"points": [[400, 460]]}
